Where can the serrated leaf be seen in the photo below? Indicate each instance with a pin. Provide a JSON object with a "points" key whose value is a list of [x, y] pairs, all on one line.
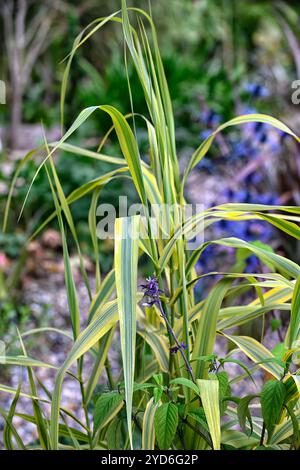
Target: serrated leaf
{"points": [[157, 393], [223, 383], [224, 389], [106, 407], [272, 400], [165, 423]]}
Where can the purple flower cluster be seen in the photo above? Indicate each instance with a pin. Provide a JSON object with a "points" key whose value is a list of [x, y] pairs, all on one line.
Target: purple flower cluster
{"points": [[256, 90], [175, 349], [151, 291]]}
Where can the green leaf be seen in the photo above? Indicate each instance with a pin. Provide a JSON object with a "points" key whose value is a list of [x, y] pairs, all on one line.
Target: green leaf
{"points": [[294, 326], [272, 400], [238, 362], [292, 388], [284, 265], [107, 406], [279, 351], [129, 148], [148, 431], [224, 389], [114, 435], [9, 428], [238, 440], [286, 226], [285, 429], [92, 219], [157, 394], [209, 392], [97, 370], [198, 414], [159, 346], [186, 383], [296, 432], [42, 427], [223, 384], [69, 279], [206, 332], [243, 119], [24, 361], [103, 294], [64, 430], [165, 423], [138, 387], [126, 261], [244, 413], [257, 353], [103, 321]]}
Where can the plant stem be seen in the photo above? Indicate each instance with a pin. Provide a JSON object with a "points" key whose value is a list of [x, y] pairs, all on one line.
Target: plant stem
{"points": [[86, 413], [262, 435], [179, 346], [109, 374], [161, 308]]}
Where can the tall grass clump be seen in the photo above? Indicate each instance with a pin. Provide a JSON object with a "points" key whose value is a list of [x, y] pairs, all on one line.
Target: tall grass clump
{"points": [[174, 390]]}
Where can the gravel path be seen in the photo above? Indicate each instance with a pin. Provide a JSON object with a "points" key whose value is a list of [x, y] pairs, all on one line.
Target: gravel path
{"points": [[49, 307]]}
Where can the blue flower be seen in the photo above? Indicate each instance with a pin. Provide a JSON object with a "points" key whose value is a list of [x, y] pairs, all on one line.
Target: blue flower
{"points": [[175, 349], [256, 90], [151, 291]]}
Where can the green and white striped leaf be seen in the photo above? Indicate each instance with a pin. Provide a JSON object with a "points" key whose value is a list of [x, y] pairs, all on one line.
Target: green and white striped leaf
{"points": [[206, 332], [148, 430], [209, 392], [285, 429], [159, 346], [294, 326], [257, 353], [126, 263], [244, 119]]}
